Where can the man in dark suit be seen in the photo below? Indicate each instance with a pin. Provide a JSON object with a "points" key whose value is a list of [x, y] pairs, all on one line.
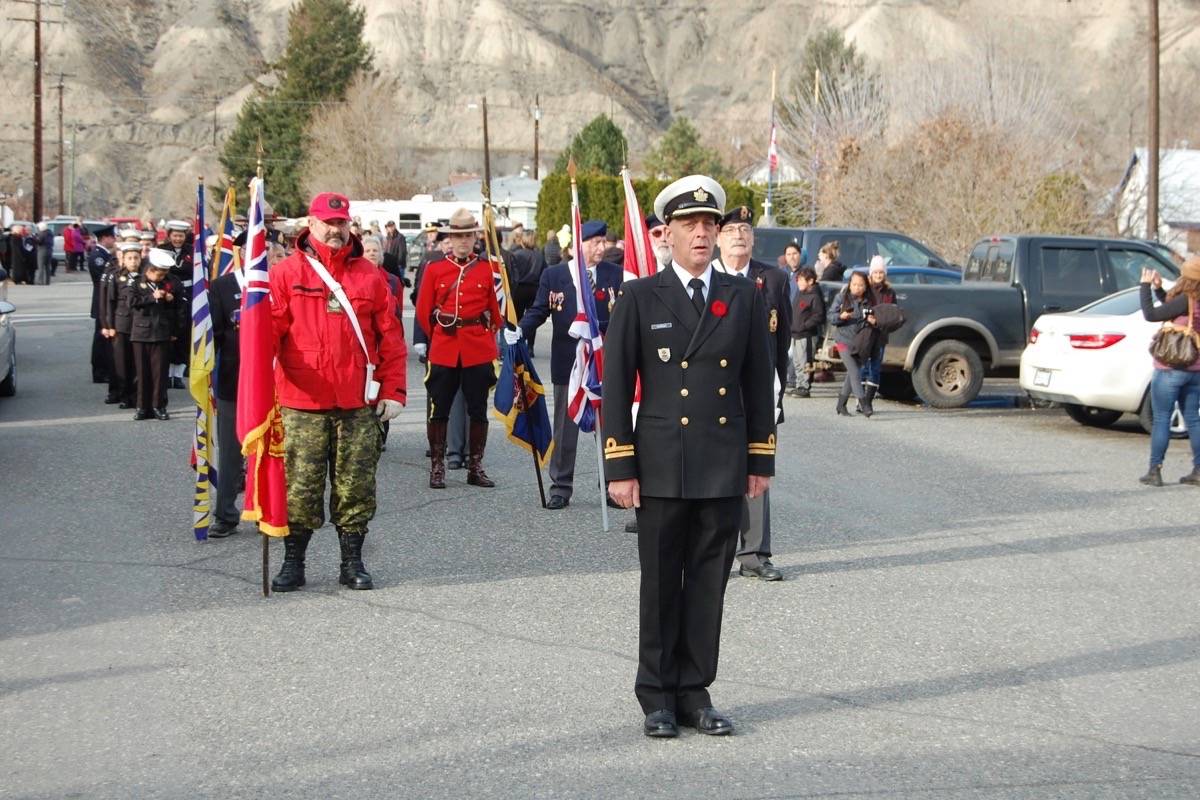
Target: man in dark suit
{"points": [[99, 261], [225, 306], [736, 240], [556, 300], [705, 439]]}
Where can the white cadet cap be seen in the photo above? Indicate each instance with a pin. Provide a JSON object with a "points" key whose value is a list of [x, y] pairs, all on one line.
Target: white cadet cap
{"points": [[178, 225], [695, 194], [161, 259], [129, 247]]}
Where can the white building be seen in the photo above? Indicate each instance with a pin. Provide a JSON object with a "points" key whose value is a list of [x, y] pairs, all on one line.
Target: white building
{"points": [[1178, 198]]}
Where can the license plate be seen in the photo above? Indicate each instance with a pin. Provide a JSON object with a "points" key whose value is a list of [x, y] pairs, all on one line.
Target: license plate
{"points": [[1041, 377]]}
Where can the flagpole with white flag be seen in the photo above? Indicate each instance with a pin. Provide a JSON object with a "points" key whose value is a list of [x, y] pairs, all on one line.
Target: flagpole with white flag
{"points": [[584, 388]]}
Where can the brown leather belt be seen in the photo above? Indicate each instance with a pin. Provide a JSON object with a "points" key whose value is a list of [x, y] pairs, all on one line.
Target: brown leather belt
{"points": [[461, 323]]}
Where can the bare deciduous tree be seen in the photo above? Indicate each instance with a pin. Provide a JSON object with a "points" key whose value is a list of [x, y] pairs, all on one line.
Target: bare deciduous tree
{"points": [[356, 146]]}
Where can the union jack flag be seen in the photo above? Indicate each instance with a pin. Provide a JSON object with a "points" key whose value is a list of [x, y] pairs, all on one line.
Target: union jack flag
{"points": [[259, 422], [587, 375]]}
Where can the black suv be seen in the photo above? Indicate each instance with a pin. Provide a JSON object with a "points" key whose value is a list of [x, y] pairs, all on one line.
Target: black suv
{"points": [[856, 246]]}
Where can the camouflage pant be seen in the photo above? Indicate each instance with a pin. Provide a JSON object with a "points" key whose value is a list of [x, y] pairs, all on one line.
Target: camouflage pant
{"points": [[344, 444]]}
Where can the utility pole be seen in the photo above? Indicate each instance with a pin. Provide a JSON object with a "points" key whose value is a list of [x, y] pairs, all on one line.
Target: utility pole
{"points": [[537, 119], [1152, 148], [71, 190], [216, 102], [487, 156], [62, 198], [38, 197]]}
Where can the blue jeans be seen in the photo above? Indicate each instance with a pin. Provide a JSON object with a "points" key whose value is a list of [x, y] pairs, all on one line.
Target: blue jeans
{"points": [[1168, 387], [873, 367]]}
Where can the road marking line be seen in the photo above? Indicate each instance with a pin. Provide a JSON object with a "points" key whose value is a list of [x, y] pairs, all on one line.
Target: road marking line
{"points": [[55, 421]]}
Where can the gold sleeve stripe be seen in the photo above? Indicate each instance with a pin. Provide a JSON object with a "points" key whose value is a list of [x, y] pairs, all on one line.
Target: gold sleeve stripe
{"points": [[766, 448], [610, 456]]}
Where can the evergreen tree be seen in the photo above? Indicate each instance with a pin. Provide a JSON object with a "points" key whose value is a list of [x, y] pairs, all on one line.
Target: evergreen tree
{"points": [[679, 153], [325, 51], [599, 147], [839, 62]]}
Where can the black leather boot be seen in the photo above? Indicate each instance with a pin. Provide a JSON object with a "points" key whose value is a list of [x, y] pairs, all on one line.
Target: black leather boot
{"points": [[291, 574], [869, 390], [476, 444], [843, 397], [354, 574], [436, 431]]}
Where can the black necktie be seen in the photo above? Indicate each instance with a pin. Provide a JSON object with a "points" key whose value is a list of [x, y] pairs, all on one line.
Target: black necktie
{"points": [[697, 287]]}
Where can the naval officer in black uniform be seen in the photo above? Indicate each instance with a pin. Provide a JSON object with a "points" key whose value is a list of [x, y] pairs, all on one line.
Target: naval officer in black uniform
{"points": [[705, 439], [736, 240]]}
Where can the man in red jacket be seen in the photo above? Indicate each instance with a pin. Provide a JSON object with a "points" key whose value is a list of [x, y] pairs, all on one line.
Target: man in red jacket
{"points": [[457, 309], [337, 382]]}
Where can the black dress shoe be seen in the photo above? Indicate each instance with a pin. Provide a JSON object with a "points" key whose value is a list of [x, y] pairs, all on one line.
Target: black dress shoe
{"points": [[140, 415], [162, 414], [661, 724], [709, 721], [126, 404], [111, 400], [557, 503], [221, 528], [765, 571]]}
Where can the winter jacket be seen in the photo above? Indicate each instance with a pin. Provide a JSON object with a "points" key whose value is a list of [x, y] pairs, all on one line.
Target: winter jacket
{"points": [[320, 363], [844, 330], [808, 312]]}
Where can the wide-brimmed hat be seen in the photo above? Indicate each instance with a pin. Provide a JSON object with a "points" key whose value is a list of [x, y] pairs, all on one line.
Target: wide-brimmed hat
{"points": [[461, 221]]}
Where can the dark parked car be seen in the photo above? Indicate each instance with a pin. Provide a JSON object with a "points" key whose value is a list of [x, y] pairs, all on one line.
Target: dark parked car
{"points": [[954, 335], [857, 246], [906, 276]]}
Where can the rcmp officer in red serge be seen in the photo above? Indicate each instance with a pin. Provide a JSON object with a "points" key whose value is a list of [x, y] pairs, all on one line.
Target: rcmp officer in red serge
{"points": [[556, 300], [705, 439], [736, 240], [458, 310], [332, 400]]}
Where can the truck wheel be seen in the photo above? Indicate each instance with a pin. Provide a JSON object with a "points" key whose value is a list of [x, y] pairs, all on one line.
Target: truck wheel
{"points": [[897, 386], [1146, 418], [949, 374], [1091, 416]]}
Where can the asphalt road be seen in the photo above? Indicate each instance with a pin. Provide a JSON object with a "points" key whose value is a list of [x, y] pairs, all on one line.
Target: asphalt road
{"points": [[981, 603]]}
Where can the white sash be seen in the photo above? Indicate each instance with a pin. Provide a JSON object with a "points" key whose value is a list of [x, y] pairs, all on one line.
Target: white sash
{"points": [[371, 388]]}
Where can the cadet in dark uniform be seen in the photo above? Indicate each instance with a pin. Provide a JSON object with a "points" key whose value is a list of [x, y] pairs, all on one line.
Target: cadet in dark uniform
{"points": [[705, 439], [158, 318], [556, 300], [736, 240], [98, 261], [179, 245], [118, 297]]}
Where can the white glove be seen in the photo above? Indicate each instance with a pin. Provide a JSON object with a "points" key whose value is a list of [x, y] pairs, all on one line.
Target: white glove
{"points": [[421, 349], [388, 410], [513, 336]]}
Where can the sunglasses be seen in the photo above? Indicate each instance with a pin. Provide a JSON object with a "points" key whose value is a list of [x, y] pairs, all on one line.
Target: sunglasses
{"points": [[658, 233]]}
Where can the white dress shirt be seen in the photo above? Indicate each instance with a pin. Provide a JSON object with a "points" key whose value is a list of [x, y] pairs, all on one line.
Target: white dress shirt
{"points": [[685, 277]]}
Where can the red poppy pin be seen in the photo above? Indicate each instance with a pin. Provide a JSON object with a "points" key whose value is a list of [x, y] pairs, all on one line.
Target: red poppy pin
{"points": [[719, 309], [601, 295]]}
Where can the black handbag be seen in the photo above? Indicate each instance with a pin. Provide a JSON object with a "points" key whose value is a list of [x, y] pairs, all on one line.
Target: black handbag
{"points": [[1176, 346]]}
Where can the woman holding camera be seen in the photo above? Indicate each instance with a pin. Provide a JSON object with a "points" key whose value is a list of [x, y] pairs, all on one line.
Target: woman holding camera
{"points": [[1170, 385], [849, 315]]}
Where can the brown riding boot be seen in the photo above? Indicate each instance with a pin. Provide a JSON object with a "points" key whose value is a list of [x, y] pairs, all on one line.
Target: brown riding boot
{"points": [[436, 430], [476, 444]]}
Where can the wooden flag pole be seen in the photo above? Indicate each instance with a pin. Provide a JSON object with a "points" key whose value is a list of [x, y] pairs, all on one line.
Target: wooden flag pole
{"points": [[266, 551]]}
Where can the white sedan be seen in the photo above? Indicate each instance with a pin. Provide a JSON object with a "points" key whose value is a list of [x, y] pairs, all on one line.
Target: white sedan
{"points": [[1095, 361]]}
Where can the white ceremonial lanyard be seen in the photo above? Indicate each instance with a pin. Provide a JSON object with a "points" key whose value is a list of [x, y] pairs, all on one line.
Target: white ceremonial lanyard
{"points": [[340, 294]]}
